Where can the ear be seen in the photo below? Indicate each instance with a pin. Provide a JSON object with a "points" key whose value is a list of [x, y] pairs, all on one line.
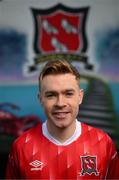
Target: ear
{"points": [[81, 94]]}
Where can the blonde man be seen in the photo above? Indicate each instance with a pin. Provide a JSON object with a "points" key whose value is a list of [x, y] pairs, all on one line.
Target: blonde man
{"points": [[62, 147]]}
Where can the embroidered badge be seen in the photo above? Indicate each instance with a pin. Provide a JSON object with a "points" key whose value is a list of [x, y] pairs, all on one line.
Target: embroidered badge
{"points": [[89, 165]]}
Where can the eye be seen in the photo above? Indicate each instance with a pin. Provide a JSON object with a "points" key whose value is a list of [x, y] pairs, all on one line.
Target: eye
{"points": [[69, 94], [50, 95]]}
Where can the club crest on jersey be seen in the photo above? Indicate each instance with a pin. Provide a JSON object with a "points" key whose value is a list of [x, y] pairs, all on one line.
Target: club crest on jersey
{"points": [[89, 165], [60, 32]]}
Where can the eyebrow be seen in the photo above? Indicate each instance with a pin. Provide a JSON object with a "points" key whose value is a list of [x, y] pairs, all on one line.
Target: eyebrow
{"points": [[55, 92], [50, 92]]}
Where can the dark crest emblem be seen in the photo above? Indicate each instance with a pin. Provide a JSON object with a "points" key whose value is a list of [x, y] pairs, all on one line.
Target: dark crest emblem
{"points": [[89, 165], [59, 32]]}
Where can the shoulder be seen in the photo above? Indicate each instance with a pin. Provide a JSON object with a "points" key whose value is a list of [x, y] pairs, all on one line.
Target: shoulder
{"points": [[97, 138], [28, 136], [96, 133]]}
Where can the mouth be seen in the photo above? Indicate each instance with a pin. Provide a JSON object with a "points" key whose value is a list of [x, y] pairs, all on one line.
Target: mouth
{"points": [[60, 115]]}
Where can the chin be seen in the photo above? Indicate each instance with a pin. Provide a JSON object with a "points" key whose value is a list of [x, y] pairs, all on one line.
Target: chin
{"points": [[61, 125]]}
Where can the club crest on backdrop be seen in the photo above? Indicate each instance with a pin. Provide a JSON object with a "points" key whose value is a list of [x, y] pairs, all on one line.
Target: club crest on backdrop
{"points": [[59, 32]]}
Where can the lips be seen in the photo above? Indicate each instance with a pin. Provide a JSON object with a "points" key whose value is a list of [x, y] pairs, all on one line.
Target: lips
{"points": [[60, 115]]}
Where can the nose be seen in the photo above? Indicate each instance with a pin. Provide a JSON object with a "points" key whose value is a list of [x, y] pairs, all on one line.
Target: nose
{"points": [[60, 102]]}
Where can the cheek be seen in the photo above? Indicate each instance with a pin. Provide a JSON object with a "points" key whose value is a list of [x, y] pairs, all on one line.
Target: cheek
{"points": [[76, 101], [46, 109], [76, 109], [47, 105], [75, 105]]}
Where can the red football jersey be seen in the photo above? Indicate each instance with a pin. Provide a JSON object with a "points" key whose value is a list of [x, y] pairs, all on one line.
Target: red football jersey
{"points": [[91, 156]]}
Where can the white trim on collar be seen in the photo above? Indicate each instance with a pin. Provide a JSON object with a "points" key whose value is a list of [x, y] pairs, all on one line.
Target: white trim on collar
{"points": [[76, 134]]}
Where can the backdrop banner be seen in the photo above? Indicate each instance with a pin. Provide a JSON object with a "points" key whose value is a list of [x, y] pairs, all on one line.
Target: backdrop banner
{"points": [[34, 32]]}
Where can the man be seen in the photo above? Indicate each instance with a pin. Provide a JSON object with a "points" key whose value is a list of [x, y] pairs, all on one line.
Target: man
{"points": [[62, 147]]}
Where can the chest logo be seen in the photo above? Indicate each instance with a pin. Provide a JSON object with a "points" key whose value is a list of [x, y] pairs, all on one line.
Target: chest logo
{"points": [[89, 165], [36, 165]]}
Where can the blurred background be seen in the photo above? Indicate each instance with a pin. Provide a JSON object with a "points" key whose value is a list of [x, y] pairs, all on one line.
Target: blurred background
{"points": [[36, 31]]}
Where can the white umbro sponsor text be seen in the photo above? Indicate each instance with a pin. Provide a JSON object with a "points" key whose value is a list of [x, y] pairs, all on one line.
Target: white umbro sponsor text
{"points": [[36, 165]]}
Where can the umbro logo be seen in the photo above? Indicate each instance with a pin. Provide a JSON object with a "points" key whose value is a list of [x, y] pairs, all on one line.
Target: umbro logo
{"points": [[36, 165]]}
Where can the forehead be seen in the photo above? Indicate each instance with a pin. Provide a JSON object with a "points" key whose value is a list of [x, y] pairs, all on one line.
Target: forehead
{"points": [[60, 81]]}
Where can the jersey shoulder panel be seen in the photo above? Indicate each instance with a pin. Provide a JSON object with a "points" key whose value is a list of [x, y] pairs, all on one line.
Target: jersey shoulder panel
{"points": [[96, 134], [28, 135], [89, 128]]}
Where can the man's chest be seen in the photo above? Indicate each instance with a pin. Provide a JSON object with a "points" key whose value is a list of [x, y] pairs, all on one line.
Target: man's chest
{"points": [[62, 162]]}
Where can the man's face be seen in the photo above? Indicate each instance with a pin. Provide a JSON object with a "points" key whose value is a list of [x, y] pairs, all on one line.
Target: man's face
{"points": [[60, 96]]}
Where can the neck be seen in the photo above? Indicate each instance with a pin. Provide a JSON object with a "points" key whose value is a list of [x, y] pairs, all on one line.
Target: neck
{"points": [[61, 134]]}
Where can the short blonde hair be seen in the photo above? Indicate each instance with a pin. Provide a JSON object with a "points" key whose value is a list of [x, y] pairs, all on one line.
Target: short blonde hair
{"points": [[55, 67]]}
